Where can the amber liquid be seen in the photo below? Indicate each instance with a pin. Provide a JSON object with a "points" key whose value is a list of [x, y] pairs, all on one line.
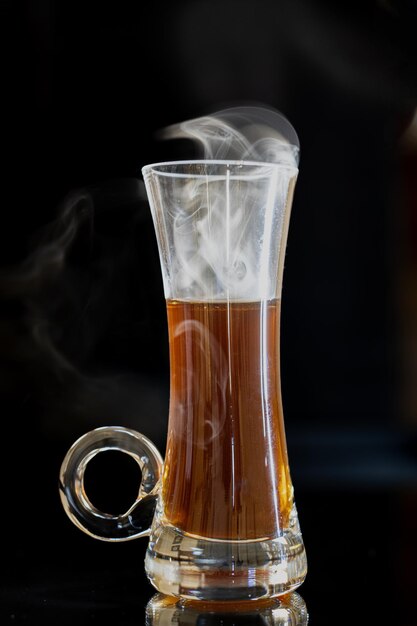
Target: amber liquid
{"points": [[226, 470]]}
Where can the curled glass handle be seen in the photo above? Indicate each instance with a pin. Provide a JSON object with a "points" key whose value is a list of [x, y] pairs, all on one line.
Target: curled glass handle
{"points": [[137, 520]]}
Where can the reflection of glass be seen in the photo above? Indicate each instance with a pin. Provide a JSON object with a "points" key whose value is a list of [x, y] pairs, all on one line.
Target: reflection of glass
{"points": [[226, 526], [290, 610]]}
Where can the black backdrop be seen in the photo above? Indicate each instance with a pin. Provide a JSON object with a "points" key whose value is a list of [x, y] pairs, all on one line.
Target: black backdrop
{"points": [[86, 86]]}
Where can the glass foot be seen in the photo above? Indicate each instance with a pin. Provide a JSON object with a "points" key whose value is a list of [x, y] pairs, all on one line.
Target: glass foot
{"points": [[197, 568]]}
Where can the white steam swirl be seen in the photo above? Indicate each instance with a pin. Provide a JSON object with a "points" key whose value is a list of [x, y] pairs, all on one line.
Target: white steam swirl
{"points": [[214, 412], [226, 228], [242, 133]]}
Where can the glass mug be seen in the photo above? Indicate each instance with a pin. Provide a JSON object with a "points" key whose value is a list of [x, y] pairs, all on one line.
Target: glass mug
{"points": [[219, 511]]}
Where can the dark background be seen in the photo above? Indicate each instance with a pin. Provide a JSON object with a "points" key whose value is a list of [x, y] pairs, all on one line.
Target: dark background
{"points": [[83, 343]]}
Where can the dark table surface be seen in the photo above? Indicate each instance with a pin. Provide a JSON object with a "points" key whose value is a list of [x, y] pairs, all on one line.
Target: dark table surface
{"points": [[361, 543]]}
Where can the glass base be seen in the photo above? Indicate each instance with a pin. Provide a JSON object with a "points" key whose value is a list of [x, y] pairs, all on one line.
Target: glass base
{"points": [[197, 568]]}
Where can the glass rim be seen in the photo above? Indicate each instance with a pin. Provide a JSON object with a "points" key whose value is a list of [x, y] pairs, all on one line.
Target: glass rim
{"points": [[236, 163]]}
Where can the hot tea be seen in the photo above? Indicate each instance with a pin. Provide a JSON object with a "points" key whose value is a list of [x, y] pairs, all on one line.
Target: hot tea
{"points": [[226, 469]]}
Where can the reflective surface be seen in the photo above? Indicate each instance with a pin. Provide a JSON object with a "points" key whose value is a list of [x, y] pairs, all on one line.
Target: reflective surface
{"points": [[360, 573], [290, 610]]}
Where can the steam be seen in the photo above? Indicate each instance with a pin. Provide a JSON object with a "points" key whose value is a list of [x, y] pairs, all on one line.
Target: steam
{"points": [[226, 226], [43, 267], [214, 413], [204, 265], [242, 134], [47, 260], [63, 300]]}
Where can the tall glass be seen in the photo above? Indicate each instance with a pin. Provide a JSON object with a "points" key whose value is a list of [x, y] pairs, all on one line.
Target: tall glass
{"points": [[225, 525]]}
